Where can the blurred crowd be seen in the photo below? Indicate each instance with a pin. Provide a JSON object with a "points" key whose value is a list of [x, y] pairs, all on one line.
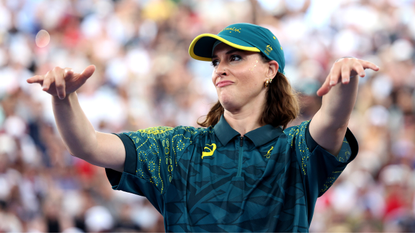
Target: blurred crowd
{"points": [[146, 78]]}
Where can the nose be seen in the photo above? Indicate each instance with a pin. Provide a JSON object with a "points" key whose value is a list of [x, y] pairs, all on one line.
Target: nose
{"points": [[221, 69]]}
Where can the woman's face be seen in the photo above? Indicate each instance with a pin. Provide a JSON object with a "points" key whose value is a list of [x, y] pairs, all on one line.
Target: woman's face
{"points": [[239, 78]]}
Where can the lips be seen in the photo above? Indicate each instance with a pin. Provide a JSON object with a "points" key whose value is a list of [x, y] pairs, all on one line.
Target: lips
{"points": [[224, 83]]}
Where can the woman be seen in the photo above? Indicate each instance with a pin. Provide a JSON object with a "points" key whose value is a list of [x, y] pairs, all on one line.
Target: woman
{"points": [[245, 171]]}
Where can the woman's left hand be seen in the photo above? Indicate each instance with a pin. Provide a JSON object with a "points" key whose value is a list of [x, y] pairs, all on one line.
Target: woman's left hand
{"points": [[344, 69]]}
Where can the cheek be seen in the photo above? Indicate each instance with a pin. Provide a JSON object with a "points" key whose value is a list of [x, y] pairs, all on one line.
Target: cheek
{"points": [[213, 76], [254, 76], [257, 70], [253, 66], [248, 79]]}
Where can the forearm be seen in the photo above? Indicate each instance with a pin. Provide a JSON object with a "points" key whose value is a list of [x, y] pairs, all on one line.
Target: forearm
{"points": [[79, 136], [338, 104], [329, 125], [75, 129]]}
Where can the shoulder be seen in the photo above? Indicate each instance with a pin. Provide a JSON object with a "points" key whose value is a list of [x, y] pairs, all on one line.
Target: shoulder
{"points": [[163, 132], [297, 130]]}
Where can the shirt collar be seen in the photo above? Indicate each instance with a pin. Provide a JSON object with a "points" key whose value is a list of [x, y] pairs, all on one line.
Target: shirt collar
{"points": [[224, 131], [264, 134], [259, 136]]}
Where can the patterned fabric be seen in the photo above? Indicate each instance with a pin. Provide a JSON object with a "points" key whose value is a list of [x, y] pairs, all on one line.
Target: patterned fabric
{"points": [[212, 180]]}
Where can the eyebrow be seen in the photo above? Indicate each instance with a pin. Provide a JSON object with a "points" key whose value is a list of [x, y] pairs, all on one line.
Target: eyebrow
{"points": [[229, 52]]}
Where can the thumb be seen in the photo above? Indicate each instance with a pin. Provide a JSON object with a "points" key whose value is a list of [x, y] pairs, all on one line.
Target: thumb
{"points": [[324, 89], [87, 73]]}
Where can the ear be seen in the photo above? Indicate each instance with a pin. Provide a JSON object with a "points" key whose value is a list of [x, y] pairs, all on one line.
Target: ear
{"points": [[272, 69]]}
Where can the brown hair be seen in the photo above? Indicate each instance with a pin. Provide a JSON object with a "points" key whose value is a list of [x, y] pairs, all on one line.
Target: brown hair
{"points": [[281, 105]]}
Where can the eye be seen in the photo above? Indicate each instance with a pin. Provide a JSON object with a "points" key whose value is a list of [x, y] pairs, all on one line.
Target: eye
{"points": [[215, 62], [235, 57]]}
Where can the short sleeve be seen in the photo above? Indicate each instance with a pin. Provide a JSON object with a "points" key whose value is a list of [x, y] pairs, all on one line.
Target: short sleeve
{"points": [[151, 156], [320, 168]]}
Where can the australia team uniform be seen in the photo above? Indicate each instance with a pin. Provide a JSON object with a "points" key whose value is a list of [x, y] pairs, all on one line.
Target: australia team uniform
{"points": [[213, 180]]}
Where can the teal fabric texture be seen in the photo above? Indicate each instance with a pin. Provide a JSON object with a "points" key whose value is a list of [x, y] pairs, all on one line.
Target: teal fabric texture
{"points": [[213, 180]]}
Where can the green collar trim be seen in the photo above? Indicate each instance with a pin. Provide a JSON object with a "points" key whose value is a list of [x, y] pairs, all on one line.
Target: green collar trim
{"points": [[259, 137]]}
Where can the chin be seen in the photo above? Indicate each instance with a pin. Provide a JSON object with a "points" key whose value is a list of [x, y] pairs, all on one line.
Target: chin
{"points": [[229, 105], [224, 99], [228, 101]]}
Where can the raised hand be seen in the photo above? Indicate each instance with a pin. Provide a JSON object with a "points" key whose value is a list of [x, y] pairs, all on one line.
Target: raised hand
{"points": [[61, 82], [343, 70]]}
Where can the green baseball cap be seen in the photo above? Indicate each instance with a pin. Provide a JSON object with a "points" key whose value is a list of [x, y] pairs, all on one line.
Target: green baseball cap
{"points": [[243, 36]]}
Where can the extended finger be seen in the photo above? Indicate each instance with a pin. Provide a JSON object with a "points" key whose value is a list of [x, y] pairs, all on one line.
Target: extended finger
{"points": [[325, 88], [345, 74], [48, 79], [358, 68], [370, 65], [334, 75], [87, 72], [35, 79], [60, 82]]}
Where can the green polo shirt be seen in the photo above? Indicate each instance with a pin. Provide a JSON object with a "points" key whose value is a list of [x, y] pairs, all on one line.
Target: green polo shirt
{"points": [[213, 180]]}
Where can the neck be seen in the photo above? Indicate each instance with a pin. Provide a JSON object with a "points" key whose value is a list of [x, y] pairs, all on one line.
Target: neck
{"points": [[243, 121]]}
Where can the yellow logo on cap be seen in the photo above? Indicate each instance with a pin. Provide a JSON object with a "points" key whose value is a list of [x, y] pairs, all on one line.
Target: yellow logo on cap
{"points": [[233, 29], [268, 49]]}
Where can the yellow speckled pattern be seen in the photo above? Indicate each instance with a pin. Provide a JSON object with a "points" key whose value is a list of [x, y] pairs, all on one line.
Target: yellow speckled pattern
{"points": [[304, 153], [148, 150], [301, 144]]}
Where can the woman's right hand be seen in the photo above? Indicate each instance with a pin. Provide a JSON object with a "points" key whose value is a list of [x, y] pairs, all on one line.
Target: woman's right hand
{"points": [[61, 82]]}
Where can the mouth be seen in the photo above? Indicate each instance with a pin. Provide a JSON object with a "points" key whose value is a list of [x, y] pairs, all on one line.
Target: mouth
{"points": [[224, 83]]}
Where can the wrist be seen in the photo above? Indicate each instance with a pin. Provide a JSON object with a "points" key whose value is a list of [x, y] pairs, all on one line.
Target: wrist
{"points": [[67, 99]]}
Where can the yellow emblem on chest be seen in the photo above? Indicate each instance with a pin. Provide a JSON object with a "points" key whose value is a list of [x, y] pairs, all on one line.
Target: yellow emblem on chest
{"points": [[269, 152], [209, 151]]}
